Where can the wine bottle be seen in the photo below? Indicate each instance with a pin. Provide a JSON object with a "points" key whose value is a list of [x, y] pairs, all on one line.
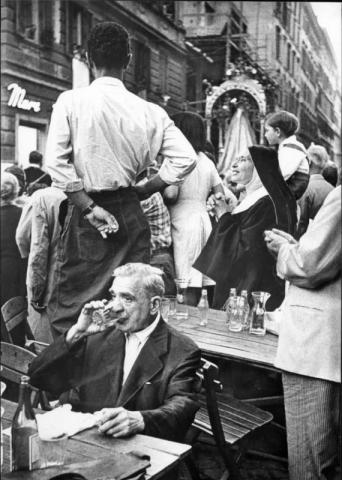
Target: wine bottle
{"points": [[25, 446]]}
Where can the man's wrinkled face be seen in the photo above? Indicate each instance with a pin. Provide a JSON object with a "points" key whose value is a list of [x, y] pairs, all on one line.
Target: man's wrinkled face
{"points": [[130, 304], [272, 135]]}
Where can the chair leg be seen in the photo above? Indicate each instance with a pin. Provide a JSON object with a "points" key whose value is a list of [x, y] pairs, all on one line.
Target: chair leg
{"points": [[192, 468], [241, 450], [230, 460]]}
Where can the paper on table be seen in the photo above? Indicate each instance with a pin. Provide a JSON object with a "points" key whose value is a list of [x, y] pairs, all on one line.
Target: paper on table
{"points": [[63, 421]]}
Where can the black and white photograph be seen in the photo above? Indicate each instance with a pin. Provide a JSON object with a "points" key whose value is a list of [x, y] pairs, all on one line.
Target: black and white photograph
{"points": [[170, 229]]}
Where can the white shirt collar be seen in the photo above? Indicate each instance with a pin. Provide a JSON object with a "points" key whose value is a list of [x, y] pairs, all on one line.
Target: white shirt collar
{"points": [[291, 139], [144, 334], [115, 82]]}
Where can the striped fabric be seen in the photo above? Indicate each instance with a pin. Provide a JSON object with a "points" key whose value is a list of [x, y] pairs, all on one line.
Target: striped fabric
{"points": [[312, 417]]}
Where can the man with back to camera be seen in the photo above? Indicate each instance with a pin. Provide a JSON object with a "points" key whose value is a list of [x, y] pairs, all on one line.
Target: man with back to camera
{"points": [[141, 372], [101, 137], [34, 173], [317, 190]]}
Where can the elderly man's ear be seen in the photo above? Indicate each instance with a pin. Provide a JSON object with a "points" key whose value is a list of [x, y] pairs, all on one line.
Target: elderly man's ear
{"points": [[155, 305]]}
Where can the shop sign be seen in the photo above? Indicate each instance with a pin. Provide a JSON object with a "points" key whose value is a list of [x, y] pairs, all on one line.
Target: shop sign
{"points": [[18, 100]]}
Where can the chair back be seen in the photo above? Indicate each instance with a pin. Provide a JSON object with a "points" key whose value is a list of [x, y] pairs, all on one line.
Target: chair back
{"points": [[15, 328], [209, 374], [15, 362]]}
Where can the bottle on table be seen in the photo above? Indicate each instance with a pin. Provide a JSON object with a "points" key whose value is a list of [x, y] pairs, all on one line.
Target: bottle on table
{"points": [[244, 310], [235, 320], [231, 303], [25, 445], [203, 307]]}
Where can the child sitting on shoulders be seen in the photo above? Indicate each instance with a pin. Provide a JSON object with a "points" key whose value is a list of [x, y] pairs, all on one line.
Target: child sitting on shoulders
{"points": [[280, 129]]}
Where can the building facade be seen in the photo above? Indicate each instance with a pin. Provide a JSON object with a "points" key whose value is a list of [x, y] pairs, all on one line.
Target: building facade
{"points": [[291, 54], [182, 50], [43, 54]]}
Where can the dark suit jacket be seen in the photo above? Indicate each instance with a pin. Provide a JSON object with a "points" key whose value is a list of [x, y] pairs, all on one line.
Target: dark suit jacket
{"points": [[33, 173], [162, 384]]}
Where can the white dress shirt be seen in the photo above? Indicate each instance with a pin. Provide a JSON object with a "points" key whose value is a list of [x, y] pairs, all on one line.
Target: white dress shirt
{"points": [[292, 160], [102, 136], [134, 343]]}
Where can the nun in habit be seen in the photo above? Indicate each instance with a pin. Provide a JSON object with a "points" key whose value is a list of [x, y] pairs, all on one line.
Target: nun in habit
{"points": [[235, 255]]}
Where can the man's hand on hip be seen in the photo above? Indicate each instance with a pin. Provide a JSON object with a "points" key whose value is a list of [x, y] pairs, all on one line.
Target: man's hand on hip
{"points": [[119, 422], [98, 217], [103, 221]]}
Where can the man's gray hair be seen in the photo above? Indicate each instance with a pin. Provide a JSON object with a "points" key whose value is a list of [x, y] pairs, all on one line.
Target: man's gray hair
{"points": [[320, 155], [151, 277]]}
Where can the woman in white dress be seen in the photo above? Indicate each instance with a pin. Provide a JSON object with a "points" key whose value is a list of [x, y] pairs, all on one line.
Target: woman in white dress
{"points": [[190, 222]]}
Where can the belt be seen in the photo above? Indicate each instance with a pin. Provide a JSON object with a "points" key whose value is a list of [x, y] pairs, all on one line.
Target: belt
{"points": [[121, 192]]}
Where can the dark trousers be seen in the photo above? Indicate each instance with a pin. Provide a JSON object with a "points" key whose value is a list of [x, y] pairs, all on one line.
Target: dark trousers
{"points": [[86, 261]]}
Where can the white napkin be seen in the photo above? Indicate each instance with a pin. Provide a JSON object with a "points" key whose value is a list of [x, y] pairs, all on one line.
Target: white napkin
{"points": [[272, 321], [63, 421]]}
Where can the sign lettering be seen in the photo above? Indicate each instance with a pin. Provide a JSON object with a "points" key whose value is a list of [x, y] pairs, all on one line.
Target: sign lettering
{"points": [[18, 100]]}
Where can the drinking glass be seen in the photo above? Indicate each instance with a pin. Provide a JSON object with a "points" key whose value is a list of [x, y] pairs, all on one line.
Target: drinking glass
{"points": [[257, 325], [52, 451], [100, 319], [173, 304], [165, 308], [181, 306]]}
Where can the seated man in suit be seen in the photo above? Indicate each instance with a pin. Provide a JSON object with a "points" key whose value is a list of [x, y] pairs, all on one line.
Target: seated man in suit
{"points": [[140, 371]]}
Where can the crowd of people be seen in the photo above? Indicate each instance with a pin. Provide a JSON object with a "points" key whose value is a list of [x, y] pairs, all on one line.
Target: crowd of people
{"points": [[130, 192]]}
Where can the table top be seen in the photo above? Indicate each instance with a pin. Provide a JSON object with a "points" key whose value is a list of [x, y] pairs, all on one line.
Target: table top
{"points": [[215, 339], [89, 444]]}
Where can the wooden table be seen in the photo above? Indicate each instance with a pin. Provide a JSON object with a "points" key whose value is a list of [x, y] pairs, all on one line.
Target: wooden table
{"points": [[216, 340], [89, 444]]}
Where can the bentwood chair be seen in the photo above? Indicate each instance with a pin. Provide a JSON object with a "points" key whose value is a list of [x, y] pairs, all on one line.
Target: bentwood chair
{"points": [[230, 421]]}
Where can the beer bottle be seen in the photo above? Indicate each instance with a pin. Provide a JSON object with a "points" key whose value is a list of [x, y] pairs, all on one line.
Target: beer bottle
{"points": [[25, 447]]}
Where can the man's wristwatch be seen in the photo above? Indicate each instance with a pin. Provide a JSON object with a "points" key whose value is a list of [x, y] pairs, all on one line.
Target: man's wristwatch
{"points": [[88, 209]]}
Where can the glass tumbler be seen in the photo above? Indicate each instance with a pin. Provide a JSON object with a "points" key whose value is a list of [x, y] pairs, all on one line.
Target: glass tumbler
{"points": [[172, 304], [165, 308], [181, 306], [52, 451]]}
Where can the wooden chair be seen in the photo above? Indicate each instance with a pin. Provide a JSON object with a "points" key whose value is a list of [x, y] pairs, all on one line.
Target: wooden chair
{"points": [[14, 316], [230, 421], [15, 361], [15, 327]]}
